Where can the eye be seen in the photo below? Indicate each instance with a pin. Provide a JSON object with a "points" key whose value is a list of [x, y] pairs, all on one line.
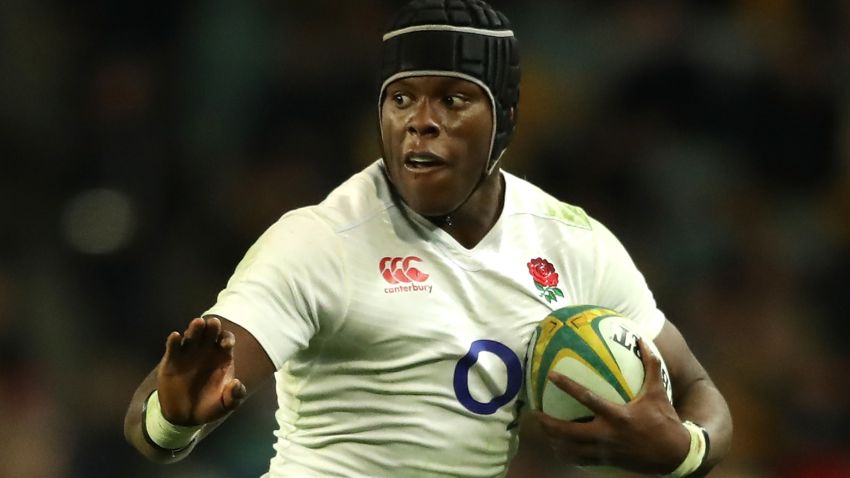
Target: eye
{"points": [[401, 100], [455, 101]]}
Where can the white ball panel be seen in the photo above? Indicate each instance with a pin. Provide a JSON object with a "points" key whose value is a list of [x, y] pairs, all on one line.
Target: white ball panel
{"points": [[558, 403], [621, 339]]}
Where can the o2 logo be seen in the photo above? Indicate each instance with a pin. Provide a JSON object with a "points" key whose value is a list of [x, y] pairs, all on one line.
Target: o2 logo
{"points": [[461, 376]]}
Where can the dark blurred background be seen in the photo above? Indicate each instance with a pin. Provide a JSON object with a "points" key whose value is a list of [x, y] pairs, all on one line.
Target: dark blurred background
{"points": [[145, 145]]}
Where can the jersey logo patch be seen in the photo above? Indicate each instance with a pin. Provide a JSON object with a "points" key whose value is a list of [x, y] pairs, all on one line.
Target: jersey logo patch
{"points": [[545, 279], [400, 272]]}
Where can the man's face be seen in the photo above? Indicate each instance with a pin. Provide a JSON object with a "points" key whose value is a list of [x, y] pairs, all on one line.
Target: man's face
{"points": [[436, 140]]}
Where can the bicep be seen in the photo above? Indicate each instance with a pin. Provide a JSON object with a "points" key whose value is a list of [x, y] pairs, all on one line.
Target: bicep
{"points": [[253, 367]]}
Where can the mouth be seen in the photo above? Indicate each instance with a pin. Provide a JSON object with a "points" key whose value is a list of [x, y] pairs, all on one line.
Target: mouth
{"points": [[420, 162]]}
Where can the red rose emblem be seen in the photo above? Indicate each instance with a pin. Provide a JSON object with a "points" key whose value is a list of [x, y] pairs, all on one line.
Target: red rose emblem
{"points": [[543, 272], [545, 279]]}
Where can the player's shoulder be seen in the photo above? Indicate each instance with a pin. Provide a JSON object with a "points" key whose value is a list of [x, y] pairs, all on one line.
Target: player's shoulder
{"points": [[361, 198], [525, 198]]}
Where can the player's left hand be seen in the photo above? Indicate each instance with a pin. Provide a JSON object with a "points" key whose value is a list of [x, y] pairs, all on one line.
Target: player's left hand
{"points": [[644, 435]]}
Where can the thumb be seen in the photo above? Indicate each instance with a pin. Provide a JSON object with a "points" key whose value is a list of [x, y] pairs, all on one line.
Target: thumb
{"points": [[233, 395], [651, 364]]}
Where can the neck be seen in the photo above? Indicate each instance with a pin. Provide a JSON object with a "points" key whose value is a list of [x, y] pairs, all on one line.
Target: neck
{"points": [[472, 221]]}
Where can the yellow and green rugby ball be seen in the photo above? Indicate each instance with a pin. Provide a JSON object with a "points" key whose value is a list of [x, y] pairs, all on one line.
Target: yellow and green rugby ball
{"points": [[594, 346]]}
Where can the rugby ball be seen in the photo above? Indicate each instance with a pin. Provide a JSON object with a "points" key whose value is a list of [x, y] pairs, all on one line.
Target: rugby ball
{"points": [[594, 346]]}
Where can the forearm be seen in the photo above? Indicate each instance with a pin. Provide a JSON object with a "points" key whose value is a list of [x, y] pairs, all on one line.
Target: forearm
{"points": [[702, 403], [134, 433], [134, 430], [196, 389], [695, 396]]}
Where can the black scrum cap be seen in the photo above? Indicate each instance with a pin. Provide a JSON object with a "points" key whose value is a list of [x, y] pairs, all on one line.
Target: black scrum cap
{"points": [[461, 38]]}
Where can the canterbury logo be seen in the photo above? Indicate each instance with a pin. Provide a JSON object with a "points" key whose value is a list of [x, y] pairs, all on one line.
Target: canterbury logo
{"points": [[399, 269]]}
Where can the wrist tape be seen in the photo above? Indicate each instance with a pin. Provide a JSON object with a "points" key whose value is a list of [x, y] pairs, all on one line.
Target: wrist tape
{"points": [[162, 433], [697, 452]]}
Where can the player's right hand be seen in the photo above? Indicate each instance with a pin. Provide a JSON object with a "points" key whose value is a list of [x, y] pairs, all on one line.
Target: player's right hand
{"points": [[195, 378]]}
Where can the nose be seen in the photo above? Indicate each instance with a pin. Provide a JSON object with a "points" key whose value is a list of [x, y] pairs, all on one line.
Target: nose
{"points": [[423, 121]]}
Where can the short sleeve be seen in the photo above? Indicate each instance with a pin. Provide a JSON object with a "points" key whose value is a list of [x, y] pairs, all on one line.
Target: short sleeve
{"points": [[288, 287], [620, 286]]}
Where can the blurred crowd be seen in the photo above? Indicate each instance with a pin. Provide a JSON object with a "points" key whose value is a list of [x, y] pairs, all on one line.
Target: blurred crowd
{"points": [[145, 145]]}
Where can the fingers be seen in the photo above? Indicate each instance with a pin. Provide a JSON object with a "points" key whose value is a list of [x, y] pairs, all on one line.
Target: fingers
{"points": [[573, 442], [649, 359], [200, 337], [172, 343], [194, 332], [576, 431], [227, 340], [201, 332], [212, 330], [652, 366], [233, 395], [594, 402]]}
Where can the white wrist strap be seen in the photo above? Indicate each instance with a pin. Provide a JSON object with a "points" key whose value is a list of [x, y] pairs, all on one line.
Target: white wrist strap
{"points": [[163, 433], [696, 453]]}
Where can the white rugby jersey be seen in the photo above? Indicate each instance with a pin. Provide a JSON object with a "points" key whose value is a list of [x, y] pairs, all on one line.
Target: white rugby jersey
{"points": [[399, 352]]}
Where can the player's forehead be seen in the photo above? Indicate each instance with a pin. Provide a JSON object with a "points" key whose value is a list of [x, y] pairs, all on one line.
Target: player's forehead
{"points": [[437, 83]]}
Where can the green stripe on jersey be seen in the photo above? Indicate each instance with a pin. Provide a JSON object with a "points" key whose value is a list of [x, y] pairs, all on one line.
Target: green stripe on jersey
{"points": [[568, 213]]}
